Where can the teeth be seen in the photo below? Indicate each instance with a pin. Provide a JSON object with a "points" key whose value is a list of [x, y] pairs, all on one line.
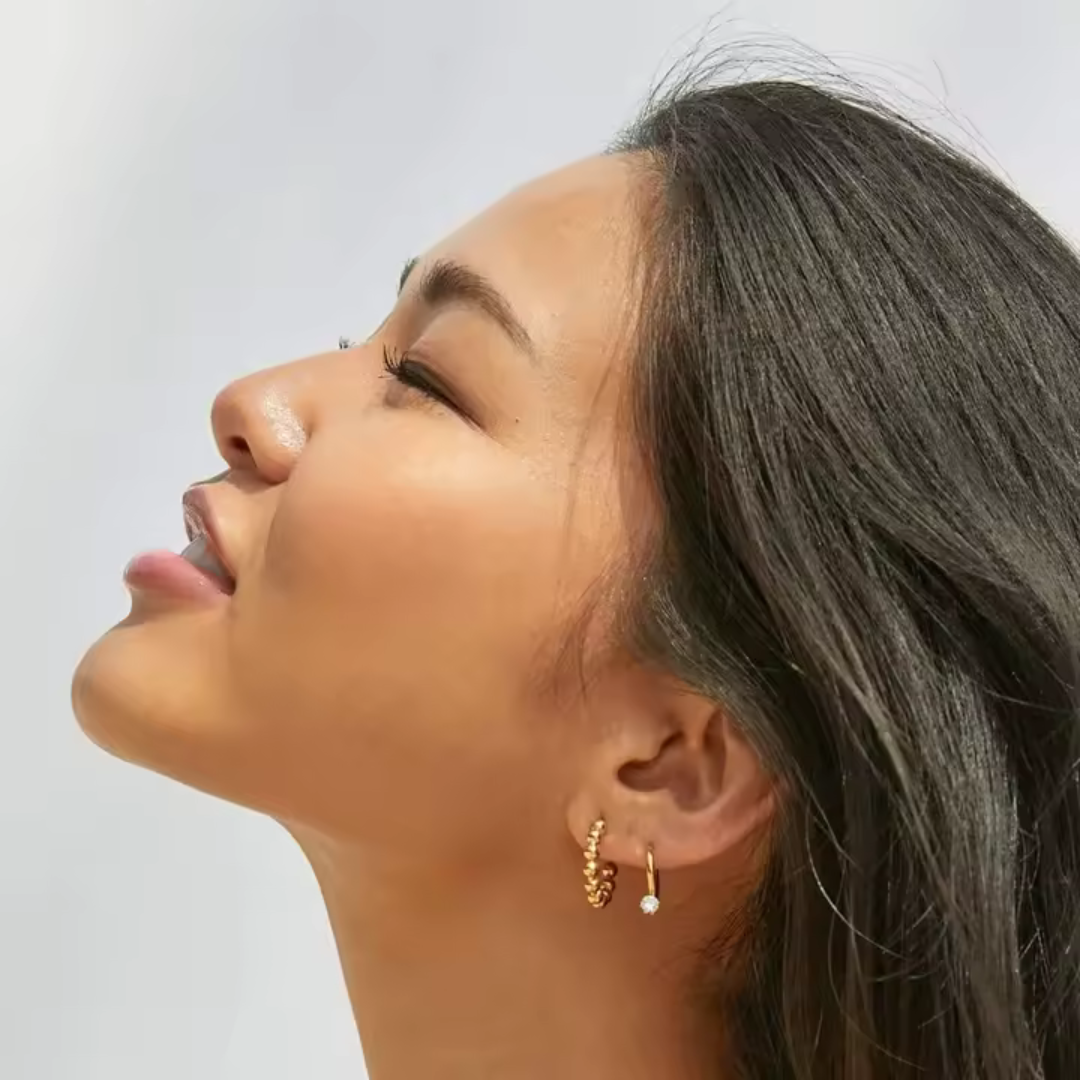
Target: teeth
{"points": [[198, 553]]}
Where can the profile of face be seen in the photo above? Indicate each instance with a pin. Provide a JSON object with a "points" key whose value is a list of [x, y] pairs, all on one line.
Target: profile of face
{"points": [[640, 505], [414, 525]]}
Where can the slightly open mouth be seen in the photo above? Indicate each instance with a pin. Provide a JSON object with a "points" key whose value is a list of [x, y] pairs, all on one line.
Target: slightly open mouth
{"points": [[201, 555]]}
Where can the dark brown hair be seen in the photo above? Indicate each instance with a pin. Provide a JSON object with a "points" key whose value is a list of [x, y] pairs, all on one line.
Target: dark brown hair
{"points": [[857, 389]]}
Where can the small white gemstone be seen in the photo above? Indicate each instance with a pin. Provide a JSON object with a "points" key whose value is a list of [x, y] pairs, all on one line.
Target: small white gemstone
{"points": [[650, 905]]}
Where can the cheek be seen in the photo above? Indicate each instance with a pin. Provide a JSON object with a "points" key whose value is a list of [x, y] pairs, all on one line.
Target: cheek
{"points": [[390, 638], [424, 529]]}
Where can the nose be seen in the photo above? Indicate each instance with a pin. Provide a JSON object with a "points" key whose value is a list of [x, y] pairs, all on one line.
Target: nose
{"points": [[262, 422]]}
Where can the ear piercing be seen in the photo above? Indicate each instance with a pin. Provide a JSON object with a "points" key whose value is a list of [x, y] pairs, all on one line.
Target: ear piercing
{"points": [[600, 875]]}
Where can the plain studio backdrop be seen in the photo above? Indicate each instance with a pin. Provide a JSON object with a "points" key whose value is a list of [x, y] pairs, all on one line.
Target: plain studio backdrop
{"points": [[189, 192]]}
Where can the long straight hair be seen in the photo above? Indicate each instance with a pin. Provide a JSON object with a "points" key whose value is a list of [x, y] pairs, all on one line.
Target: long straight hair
{"points": [[857, 390]]}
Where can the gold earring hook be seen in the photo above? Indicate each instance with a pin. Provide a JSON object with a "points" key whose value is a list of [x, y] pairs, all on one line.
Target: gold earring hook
{"points": [[650, 902]]}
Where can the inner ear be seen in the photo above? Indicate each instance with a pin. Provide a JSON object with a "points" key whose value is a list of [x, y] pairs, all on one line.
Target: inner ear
{"points": [[690, 770]]}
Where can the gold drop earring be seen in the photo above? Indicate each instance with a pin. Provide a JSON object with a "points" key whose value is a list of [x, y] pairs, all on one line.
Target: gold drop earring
{"points": [[650, 902]]}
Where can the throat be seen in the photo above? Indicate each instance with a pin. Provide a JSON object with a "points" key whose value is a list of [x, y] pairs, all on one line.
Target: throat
{"points": [[497, 988]]}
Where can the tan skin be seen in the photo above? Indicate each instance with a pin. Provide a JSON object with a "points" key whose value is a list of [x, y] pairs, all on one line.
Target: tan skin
{"points": [[403, 575]]}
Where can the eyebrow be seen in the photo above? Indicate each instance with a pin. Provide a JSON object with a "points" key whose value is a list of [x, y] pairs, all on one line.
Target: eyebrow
{"points": [[447, 282]]}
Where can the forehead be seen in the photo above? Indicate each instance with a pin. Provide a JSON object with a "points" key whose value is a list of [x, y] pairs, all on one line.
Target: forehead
{"points": [[562, 250]]}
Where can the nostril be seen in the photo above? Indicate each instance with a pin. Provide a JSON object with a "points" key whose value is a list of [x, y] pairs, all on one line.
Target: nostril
{"points": [[256, 428], [236, 450]]}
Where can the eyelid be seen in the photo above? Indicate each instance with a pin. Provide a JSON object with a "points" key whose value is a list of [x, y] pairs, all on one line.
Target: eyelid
{"points": [[434, 379], [400, 363]]}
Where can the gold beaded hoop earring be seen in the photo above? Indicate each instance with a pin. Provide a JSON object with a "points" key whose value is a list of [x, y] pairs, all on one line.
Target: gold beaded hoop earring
{"points": [[599, 875]]}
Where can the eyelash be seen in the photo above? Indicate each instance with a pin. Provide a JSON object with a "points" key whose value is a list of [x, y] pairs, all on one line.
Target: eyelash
{"points": [[415, 376]]}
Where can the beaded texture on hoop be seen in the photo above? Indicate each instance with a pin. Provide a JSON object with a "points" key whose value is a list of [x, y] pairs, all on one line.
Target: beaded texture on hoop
{"points": [[599, 875]]}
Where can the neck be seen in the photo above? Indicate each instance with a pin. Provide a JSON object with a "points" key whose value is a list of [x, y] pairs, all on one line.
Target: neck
{"points": [[521, 987]]}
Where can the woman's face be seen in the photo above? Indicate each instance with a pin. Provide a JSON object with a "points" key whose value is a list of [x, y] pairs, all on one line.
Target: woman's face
{"points": [[407, 567]]}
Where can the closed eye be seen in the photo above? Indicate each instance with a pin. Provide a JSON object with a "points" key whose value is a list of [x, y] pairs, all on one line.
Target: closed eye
{"points": [[415, 375]]}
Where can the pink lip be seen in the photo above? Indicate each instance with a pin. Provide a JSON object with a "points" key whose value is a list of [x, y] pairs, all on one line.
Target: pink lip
{"points": [[166, 572]]}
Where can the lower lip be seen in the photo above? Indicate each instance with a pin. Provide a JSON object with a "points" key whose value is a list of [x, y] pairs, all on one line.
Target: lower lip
{"points": [[166, 572]]}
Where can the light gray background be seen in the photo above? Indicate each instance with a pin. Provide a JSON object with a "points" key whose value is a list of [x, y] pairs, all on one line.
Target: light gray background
{"points": [[188, 192]]}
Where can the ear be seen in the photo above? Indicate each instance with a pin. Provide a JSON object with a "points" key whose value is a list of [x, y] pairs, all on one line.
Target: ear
{"points": [[672, 770]]}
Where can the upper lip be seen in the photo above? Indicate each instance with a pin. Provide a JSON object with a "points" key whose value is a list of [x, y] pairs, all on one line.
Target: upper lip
{"points": [[199, 521]]}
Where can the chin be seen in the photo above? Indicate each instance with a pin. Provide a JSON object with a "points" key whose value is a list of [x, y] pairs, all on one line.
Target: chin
{"points": [[143, 692]]}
